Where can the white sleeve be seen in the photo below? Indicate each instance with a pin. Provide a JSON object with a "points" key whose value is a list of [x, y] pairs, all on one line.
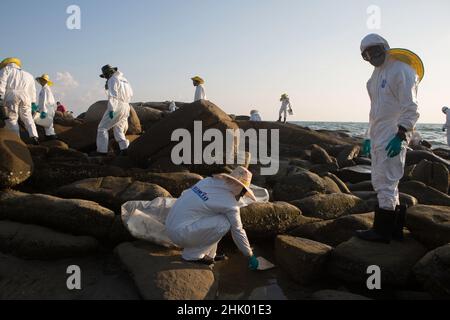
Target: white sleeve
{"points": [[32, 91], [3, 81], [43, 101], [407, 85], [237, 231]]}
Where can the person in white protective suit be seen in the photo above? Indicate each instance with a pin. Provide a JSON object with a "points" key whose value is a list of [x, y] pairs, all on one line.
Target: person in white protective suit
{"points": [[47, 104], [285, 106], [18, 91], [255, 116], [446, 126], [204, 214], [393, 116], [199, 89], [173, 107], [116, 115]]}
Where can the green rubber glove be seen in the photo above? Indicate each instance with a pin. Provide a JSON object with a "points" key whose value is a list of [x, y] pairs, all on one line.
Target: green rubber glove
{"points": [[394, 147], [34, 107], [366, 147], [43, 115], [253, 263], [111, 114]]}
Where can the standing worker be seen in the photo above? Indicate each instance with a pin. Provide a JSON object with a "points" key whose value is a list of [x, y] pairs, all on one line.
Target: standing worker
{"points": [[199, 89], [116, 115], [393, 116], [47, 104], [446, 126], [18, 90], [204, 214], [285, 106]]}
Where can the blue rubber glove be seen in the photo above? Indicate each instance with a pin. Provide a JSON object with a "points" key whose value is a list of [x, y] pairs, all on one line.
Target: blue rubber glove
{"points": [[254, 263], [34, 107], [366, 147], [111, 114], [43, 115], [394, 147]]}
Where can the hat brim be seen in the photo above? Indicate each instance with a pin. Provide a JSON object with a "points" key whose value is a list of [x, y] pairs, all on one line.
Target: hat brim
{"points": [[409, 58], [49, 83], [249, 192], [104, 77]]}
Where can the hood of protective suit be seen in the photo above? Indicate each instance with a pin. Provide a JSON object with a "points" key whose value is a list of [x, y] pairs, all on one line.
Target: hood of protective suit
{"points": [[374, 39]]}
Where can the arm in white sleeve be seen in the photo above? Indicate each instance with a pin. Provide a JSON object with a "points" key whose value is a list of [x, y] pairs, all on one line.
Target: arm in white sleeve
{"points": [[3, 81], [43, 100], [407, 86], [238, 233]]}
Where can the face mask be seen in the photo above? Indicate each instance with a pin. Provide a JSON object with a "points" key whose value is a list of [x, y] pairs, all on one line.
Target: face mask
{"points": [[375, 55]]}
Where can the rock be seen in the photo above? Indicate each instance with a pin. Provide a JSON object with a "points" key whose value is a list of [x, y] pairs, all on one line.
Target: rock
{"points": [[429, 224], [266, 220], [16, 164], [148, 116], [433, 174], [55, 143], [342, 186], [297, 186], [442, 153], [156, 144], [412, 295], [371, 199], [346, 156], [175, 182], [66, 119], [160, 274], [330, 206], [355, 174], [162, 106], [363, 161], [424, 194], [334, 232], [416, 156], [350, 260], [78, 217], [112, 192], [336, 295], [82, 137], [322, 169], [361, 186], [433, 272], [304, 260], [35, 242], [320, 156], [66, 155]]}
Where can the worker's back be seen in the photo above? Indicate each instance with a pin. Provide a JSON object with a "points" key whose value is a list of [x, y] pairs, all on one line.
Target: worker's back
{"points": [[19, 84]]}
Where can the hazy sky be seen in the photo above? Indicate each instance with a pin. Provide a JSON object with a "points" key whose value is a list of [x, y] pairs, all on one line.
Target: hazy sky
{"points": [[249, 51]]}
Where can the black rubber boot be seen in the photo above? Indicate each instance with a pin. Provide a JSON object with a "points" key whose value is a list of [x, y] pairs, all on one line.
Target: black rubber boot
{"points": [[123, 153], [284, 120], [400, 221], [35, 141], [279, 119], [382, 229], [51, 138]]}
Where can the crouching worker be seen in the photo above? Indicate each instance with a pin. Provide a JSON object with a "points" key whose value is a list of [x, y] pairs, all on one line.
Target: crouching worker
{"points": [[204, 214]]}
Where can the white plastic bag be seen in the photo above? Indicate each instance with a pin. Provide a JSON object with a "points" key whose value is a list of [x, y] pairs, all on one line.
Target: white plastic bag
{"points": [[146, 220], [48, 121], [261, 195]]}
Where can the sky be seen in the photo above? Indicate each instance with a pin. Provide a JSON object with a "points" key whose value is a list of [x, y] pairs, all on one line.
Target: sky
{"points": [[248, 51]]}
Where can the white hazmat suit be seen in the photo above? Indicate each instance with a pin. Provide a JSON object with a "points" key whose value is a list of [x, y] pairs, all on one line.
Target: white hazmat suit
{"points": [[202, 216], [393, 94], [285, 106], [119, 97], [19, 91], [47, 104], [255, 116], [200, 93], [447, 126]]}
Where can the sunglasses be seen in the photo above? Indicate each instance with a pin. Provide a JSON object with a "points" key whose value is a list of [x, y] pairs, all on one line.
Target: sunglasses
{"points": [[373, 52]]}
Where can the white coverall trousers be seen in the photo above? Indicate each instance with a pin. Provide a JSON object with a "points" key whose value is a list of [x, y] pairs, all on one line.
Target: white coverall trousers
{"points": [[201, 238], [386, 174], [119, 124], [18, 107]]}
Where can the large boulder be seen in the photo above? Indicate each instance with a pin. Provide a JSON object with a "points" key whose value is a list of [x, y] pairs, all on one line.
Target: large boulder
{"points": [[298, 186], [266, 220], [350, 260], [112, 192], [35, 242], [433, 271], [355, 174], [334, 232], [160, 274], [371, 199], [346, 156], [66, 119], [416, 156], [361, 186], [304, 260], [424, 194], [433, 174], [148, 116], [429, 224], [320, 156], [16, 164], [330, 206], [82, 137]]}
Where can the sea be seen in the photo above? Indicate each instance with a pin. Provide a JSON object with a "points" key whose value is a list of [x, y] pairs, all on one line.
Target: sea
{"points": [[430, 132]]}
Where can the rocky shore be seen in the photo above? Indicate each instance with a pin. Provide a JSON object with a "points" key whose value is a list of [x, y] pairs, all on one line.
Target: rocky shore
{"points": [[60, 207]]}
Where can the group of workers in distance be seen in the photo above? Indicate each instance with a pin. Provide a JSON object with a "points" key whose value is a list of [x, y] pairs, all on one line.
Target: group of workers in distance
{"points": [[207, 211]]}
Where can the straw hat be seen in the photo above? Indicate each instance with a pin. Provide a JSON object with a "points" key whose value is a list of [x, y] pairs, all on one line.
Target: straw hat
{"points": [[284, 96], [198, 79], [7, 61], [243, 177], [45, 78]]}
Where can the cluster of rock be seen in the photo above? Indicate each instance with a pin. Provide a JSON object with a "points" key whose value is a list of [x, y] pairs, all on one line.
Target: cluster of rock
{"points": [[57, 202]]}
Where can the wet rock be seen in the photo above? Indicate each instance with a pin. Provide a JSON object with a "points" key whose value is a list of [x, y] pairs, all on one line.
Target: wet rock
{"points": [[346, 156], [161, 274], [297, 186], [433, 272], [266, 220], [363, 161], [112, 192], [429, 224], [349, 261], [35, 242], [55, 143], [416, 156], [82, 137], [320, 156], [361, 186], [424, 194], [355, 174], [322, 169], [342, 186], [330, 206], [336, 295], [16, 164], [334, 232], [304, 260], [372, 200], [433, 174], [148, 116]]}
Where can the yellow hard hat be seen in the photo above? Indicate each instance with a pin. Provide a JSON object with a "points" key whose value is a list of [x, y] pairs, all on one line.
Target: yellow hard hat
{"points": [[7, 61], [409, 58], [198, 79], [46, 78]]}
